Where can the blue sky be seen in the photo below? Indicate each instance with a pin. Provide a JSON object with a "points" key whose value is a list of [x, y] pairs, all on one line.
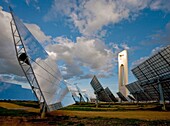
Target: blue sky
{"points": [[85, 36]]}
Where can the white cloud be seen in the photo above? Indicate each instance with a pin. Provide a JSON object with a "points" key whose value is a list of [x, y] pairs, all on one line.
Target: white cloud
{"points": [[160, 5], [92, 51], [89, 16], [10, 71], [83, 53], [52, 55], [9, 68], [93, 55], [82, 58], [8, 62], [14, 79], [125, 46], [119, 47]]}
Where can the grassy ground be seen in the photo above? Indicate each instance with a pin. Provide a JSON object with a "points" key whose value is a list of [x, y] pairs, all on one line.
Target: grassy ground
{"points": [[16, 113], [142, 115]]}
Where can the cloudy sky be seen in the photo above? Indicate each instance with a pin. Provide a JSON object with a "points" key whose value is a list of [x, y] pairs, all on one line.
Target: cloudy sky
{"points": [[85, 36]]}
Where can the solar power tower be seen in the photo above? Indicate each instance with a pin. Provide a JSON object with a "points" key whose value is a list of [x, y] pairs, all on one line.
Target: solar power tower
{"points": [[40, 70], [154, 76], [123, 72]]}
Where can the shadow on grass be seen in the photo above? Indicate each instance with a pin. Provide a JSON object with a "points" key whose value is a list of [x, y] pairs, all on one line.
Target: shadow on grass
{"points": [[33, 104], [9, 112]]}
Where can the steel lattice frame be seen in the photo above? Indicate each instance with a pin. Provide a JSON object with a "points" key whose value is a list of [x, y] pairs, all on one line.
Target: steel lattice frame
{"points": [[27, 68], [154, 76]]}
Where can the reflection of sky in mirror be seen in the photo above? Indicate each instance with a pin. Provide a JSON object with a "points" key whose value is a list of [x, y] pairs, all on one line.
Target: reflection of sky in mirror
{"points": [[66, 100], [62, 90], [45, 70], [33, 47], [87, 97], [83, 97], [76, 97]]}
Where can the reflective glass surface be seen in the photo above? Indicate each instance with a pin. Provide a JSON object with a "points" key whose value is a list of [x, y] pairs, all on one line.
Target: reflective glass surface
{"points": [[49, 79]]}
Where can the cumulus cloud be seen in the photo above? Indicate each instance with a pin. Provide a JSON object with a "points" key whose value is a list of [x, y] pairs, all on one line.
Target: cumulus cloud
{"points": [[116, 48], [71, 70], [82, 53], [92, 55], [8, 62], [14, 79], [85, 54], [9, 67], [89, 16]]}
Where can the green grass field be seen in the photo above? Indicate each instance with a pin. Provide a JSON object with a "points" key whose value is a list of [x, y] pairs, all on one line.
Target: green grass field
{"points": [[22, 113]]}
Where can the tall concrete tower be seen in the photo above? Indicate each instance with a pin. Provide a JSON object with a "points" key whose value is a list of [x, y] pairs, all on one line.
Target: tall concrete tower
{"points": [[123, 72]]}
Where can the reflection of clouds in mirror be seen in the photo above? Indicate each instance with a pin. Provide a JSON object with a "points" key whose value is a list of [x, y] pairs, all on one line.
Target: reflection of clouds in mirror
{"points": [[45, 69], [82, 95], [76, 96], [33, 47], [50, 81], [48, 76], [74, 91], [67, 100]]}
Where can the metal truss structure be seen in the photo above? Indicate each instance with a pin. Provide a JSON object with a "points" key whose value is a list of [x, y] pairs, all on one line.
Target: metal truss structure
{"points": [[40, 70], [24, 62]]}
